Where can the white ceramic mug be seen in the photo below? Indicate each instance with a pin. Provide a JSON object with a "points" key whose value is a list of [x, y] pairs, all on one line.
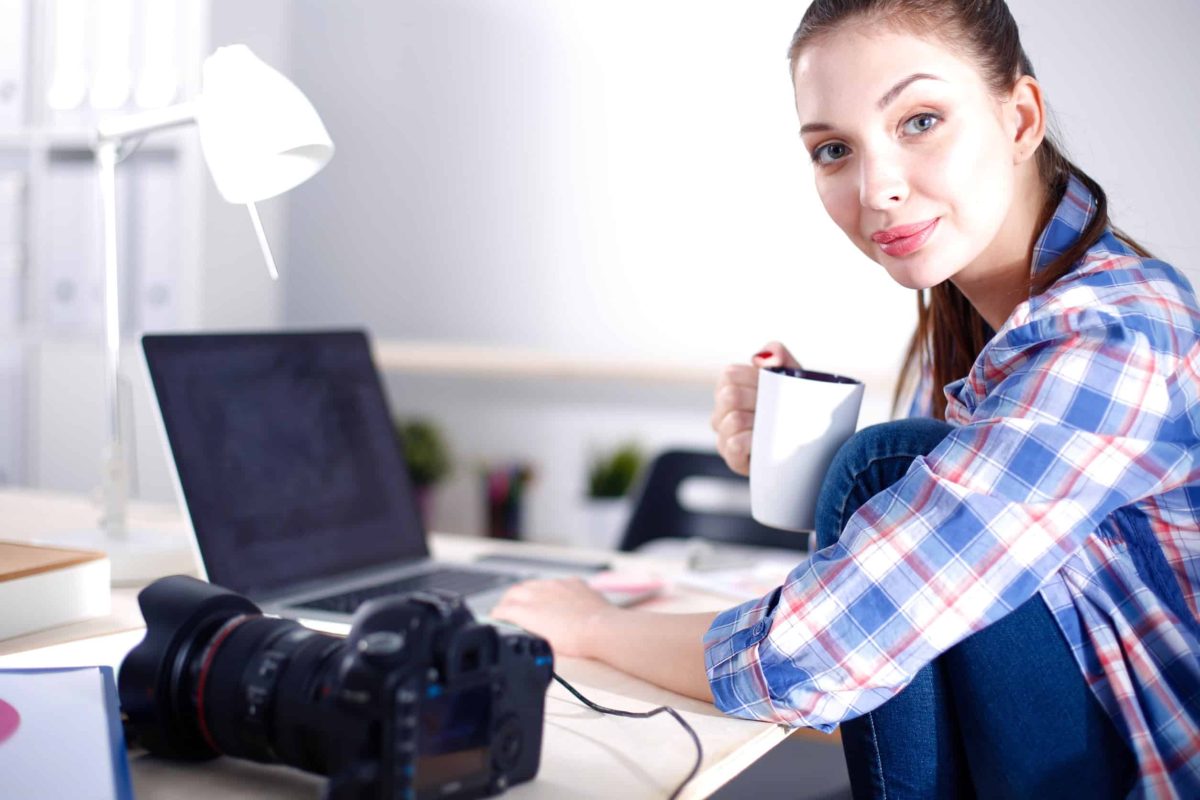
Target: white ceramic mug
{"points": [[801, 419]]}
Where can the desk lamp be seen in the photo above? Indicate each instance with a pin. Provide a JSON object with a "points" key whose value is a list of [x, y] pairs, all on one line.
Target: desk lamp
{"points": [[260, 137]]}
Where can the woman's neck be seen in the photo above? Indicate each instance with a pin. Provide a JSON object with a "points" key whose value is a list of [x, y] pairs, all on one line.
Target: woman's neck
{"points": [[998, 281]]}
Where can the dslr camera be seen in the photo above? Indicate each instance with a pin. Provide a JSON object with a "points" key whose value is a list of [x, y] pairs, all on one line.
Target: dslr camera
{"points": [[418, 701]]}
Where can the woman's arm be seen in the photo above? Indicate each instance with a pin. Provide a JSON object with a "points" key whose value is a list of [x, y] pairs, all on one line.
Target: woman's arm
{"points": [[664, 649]]}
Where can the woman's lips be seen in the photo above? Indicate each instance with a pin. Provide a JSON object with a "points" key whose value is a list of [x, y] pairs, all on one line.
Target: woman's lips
{"points": [[904, 245]]}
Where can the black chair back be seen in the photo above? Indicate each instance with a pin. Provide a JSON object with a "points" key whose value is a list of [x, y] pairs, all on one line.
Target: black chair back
{"points": [[659, 514]]}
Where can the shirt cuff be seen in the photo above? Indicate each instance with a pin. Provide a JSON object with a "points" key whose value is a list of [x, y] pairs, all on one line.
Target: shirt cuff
{"points": [[735, 630], [737, 682], [734, 663]]}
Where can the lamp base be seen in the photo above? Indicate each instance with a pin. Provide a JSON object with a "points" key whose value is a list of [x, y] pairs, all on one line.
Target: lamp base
{"points": [[139, 557]]}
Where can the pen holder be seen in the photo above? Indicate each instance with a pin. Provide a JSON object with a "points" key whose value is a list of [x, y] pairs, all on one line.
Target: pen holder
{"points": [[504, 490]]}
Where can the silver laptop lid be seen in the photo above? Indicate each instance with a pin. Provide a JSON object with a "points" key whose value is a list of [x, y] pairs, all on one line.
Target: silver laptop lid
{"points": [[286, 456]]}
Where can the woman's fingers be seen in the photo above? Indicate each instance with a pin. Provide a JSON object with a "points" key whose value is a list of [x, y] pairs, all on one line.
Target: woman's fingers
{"points": [[734, 402], [744, 375], [736, 452], [561, 610], [734, 434], [733, 397], [734, 423], [774, 354]]}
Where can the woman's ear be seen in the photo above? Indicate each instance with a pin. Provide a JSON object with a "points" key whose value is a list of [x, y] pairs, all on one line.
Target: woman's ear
{"points": [[1026, 115]]}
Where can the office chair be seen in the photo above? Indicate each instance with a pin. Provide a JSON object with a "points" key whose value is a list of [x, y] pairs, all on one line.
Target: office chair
{"points": [[658, 513]]}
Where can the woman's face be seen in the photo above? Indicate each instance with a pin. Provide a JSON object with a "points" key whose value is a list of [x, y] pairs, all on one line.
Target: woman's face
{"points": [[904, 134]]}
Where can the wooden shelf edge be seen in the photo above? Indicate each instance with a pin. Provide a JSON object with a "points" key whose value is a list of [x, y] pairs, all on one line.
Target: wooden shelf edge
{"points": [[504, 362], [483, 361]]}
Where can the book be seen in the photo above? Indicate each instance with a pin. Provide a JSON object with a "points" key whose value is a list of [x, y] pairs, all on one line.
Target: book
{"points": [[41, 587], [60, 734]]}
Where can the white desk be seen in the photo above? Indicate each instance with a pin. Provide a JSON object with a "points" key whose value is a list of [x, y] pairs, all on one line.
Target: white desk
{"points": [[584, 754]]}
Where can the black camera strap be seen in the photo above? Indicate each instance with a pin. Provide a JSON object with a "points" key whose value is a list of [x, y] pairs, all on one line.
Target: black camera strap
{"points": [[643, 715]]}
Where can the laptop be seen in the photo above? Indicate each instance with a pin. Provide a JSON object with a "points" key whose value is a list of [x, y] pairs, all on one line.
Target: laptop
{"points": [[286, 457]]}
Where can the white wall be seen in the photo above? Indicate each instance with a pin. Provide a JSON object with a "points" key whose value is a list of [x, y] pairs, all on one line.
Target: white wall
{"points": [[237, 291], [593, 177], [624, 178], [1119, 78]]}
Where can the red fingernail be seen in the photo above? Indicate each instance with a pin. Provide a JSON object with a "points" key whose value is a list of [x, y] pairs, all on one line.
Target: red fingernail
{"points": [[764, 354]]}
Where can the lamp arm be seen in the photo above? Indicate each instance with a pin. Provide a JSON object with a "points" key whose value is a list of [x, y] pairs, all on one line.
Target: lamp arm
{"points": [[119, 128], [115, 486], [110, 134]]}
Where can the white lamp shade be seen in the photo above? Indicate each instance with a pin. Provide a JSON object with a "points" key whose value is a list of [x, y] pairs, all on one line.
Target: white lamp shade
{"points": [[259, 133]]}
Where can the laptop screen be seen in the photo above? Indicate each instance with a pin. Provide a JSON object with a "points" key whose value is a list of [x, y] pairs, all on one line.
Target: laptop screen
{"points": [[286, 455]]}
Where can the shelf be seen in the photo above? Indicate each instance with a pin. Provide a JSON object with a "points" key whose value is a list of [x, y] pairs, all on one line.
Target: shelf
{"points": [[518, 363], [15, 139], [483, 361], [73, 139], [80, 138]]}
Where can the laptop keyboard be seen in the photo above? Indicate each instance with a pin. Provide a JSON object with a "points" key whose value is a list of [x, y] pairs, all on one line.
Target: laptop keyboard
{"points": [[460, 581]]}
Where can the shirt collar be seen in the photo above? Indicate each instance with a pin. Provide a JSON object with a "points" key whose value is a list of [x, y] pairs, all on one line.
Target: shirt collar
{"points": [[1072, 216]]}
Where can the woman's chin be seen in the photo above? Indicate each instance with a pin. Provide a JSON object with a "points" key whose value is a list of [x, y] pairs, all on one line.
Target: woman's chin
{"points": [[911, 277], [917, 271]]}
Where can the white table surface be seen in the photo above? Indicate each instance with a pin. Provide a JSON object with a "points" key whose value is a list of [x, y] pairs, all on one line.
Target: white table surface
{"points": [[585, 754]]}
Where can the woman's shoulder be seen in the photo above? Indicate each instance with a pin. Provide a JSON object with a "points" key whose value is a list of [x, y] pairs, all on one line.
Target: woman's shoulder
{"points": [[1116, 291], [1119, 325]]}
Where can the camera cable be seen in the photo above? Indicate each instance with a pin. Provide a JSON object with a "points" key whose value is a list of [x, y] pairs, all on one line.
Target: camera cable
{"points": [[643, 715]]}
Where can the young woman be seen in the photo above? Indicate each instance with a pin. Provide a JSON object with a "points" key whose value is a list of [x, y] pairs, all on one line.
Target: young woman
{"points": [[1006, 596]]}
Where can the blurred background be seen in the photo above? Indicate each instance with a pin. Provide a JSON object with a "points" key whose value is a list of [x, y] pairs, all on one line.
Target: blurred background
{"points": [[557, 220]]}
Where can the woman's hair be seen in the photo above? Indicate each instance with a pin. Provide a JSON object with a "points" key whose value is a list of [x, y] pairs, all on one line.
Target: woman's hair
{"points": [[950, 332]]}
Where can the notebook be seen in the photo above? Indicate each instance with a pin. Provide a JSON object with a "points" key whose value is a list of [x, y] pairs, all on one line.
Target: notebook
{"points": [[293, 480], [60, 734]]}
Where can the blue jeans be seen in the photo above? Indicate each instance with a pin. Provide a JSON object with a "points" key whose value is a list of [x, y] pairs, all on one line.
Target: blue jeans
{"points": [[1004, 713]]}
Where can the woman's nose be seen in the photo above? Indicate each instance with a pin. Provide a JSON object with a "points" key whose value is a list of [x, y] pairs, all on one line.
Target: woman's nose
{"points": [[881, 185]]}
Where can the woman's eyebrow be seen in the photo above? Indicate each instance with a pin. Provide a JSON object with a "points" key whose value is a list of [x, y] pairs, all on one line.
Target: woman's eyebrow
{"points": [[883, 103], [895, 91]]}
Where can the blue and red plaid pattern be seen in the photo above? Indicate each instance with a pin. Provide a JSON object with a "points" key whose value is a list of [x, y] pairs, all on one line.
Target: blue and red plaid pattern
{"points": [[1073, 472]]}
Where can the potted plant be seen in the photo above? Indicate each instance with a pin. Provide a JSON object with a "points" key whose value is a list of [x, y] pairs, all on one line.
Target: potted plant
{"points": [[426, 455], [611, 475]]}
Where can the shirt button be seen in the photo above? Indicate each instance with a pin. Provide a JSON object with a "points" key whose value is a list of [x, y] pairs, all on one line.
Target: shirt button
{"points": [[759, 629]]}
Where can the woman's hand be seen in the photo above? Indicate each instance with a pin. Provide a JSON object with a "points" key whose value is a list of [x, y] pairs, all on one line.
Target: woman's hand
{"points": [[665, 649], [562, 611], [735, 399]]}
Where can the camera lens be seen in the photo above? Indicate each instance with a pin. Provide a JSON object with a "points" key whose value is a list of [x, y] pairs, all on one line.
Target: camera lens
{"points": [[257, 687], [213, 676]]}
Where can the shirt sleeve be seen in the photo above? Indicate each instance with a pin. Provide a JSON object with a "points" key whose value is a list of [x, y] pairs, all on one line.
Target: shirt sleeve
{"points": [[1075, 420]]}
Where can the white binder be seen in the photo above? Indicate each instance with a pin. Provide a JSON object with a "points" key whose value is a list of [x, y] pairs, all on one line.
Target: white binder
{"points": [[14, 32], [13, 417]]}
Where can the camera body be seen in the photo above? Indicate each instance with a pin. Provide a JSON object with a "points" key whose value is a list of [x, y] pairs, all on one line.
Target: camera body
{"points": [[462, 704], [418, 701]]}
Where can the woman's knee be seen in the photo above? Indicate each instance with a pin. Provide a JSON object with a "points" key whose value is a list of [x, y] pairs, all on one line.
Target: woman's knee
{"points": [[867, 463], [1036, 725]]}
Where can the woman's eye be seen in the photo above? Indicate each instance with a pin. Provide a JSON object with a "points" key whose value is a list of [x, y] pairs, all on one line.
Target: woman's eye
{"points": [[921, 123], [835, 151]]}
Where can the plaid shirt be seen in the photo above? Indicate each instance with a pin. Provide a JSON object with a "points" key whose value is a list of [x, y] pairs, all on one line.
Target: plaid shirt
{"points": [[1072, 471]]}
